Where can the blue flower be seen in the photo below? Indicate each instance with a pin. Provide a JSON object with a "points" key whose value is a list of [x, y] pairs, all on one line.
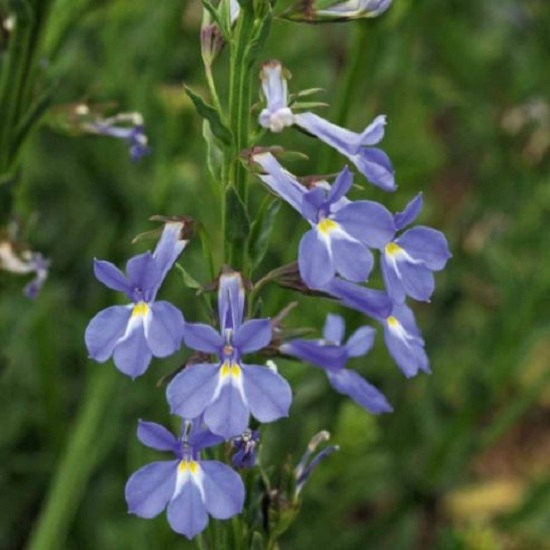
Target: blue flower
{"points": [[132, 334], [408, 261], [342, 230], [307, 465], [189, 488], [353, 9], [371, 161], [23, 262], [116, 126], [246, 449], [404, 341], [331, 354], [228, 391]]}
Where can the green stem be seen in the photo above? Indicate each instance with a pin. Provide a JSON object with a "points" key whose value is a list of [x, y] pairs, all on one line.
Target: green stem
{"points": [[76, 465]]}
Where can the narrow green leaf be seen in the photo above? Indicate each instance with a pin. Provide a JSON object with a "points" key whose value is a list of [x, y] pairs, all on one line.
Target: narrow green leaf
{"points": [[214, 156], [261, 230], [188, 280], [207, 111]]}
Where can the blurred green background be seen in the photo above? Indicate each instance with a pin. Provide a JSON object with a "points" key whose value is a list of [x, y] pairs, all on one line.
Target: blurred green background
{"points": [[464, 461]]}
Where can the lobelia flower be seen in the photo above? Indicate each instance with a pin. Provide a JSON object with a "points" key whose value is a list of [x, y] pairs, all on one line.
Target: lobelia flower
{"points": [[353, 9], [228, 391], [246, 449], [23, 262], [371, 161], [189, 488], [305, 467], [133, 333], [331, 354], [133, 135], [404, 341], [342, 230], [408, 261]]}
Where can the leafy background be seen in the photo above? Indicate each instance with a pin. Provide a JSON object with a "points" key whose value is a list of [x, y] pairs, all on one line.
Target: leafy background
{"points": [[463, 462]]}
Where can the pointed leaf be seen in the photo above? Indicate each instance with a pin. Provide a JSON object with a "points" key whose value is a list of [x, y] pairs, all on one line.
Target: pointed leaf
{"points": [[207, 111]]}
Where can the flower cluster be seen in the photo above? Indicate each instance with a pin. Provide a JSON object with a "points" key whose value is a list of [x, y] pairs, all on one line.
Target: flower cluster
{"points": [[226, 387]]}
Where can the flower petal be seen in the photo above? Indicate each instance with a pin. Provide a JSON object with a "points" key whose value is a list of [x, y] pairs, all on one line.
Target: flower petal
{"points": [[314, 260], [376, 166], [341, 185], [280, 181], [105, 330], [350, 383], [155, 436], [230, 300], [192, 390], [334, 329], [267, 393], [374, 303], [201, 337], [314, 352], [187, 513], [132, 354], [169, 246], [228, 415], [223, 490], [111, 277], [253, 335], [352, 259], [411, 212], [368, 222], [150, 488], [360, 342], [144, 275], [163, 329], [426, 244]]}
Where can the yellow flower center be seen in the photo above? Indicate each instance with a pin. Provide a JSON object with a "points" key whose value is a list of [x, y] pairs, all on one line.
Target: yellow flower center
{"points": [[188, 465], [392, 321], [326, 226], [392, 249], [141, 308], [230, 370]]}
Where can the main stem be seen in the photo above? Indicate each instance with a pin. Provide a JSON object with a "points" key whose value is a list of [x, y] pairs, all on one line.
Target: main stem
{"points": [[235, 186]]}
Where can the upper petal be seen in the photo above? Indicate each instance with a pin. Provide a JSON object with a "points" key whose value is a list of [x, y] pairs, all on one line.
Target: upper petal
{"points": [[111, 276], [150, 488], [280, 181], [374, 303], [253, 335], [230, 300], [155, 436], [144, 276], [341, 139], [341, 185], [169, 246], [376, 166], [334, 329], [411, 212], [201, 337], [223, 490], [360, 342], [330, 357], [105, 330]]}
